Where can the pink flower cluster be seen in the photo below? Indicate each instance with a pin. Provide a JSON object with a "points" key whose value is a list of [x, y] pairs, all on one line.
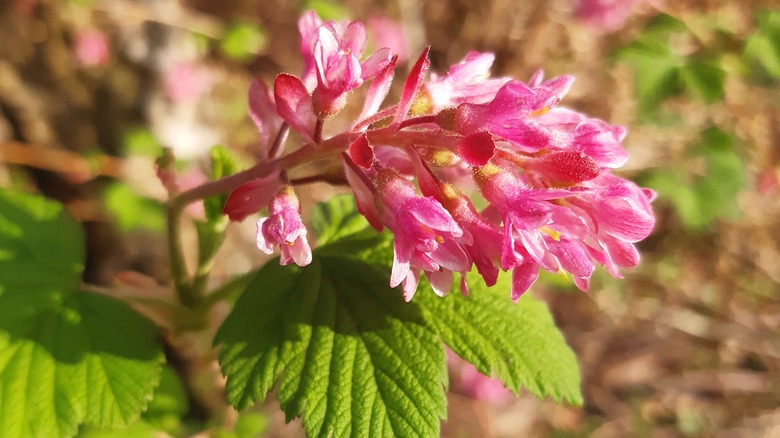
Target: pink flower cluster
{"points": [[543, 172]]}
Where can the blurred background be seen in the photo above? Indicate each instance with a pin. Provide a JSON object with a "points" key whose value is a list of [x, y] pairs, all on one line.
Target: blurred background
{"points": [[687, 345]]}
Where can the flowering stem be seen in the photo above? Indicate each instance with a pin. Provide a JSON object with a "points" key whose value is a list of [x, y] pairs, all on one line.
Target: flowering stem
{"points": [[178, 267], [318, 131]]}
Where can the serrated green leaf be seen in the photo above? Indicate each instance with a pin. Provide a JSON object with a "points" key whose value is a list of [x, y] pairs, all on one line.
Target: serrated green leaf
{"points": [[168, 404], [337, 219], [40, 244], [65, 355], [517, 343], [350, 356], [66, 358]]}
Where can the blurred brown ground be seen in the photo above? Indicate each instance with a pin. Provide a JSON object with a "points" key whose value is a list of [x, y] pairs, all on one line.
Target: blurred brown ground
{"points": [[687, 345]]}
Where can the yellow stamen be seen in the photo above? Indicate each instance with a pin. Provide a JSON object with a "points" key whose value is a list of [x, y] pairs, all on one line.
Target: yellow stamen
{"points": [[563, 274], [540, 112], [439, 239], [550, 232]]}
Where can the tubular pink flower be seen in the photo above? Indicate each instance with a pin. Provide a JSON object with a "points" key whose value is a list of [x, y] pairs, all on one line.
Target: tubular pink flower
{"points": [[512, 115], [284, 228], [425, 235], [335, 51]]}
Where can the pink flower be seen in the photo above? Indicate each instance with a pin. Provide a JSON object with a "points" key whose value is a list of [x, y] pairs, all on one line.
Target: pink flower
{"points": [[604, 15], [333, 52], [513, 113], [425, 236], [284, 228], [186, 81], [471, 383], [92, 47], [386, 32], [537, 233], [466, 82]]}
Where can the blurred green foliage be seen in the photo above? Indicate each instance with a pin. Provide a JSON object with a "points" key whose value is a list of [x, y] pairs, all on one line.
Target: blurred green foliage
{"points": [[702, 195], [763, 46], [133, 211], [242, 41]]}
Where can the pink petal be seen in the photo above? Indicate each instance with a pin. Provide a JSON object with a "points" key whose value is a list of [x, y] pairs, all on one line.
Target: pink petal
{"points": [[378, 90], [411, 86], [263, 243], [523, 277], [409, 284], [363, 190], [375, 63], [300, 251], [402, 256], [451, 256], [293, 103], [262, 110], [441, 282], [354, 39]]}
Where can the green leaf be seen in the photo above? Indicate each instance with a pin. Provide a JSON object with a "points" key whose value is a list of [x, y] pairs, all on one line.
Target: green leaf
{"points": [[68, 358], [517, 343], [141, 141], [703, 80], [701, 199], [338, 219], [763, 47], [132, 211], [349, 355], [40, 244], [242, 41], [223, 163], [169, 403], [656, 70], [326, 9]]}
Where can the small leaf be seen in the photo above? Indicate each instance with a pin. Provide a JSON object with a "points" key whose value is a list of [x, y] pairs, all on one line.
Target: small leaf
{"points": [[223, 163], [656, 69], [518, 344], [349, 354], [40, 244]]}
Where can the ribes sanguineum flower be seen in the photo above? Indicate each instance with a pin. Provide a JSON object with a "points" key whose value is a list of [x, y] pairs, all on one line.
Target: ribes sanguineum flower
{"points": [[417, 167], [284, 228], [333, 55]]}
